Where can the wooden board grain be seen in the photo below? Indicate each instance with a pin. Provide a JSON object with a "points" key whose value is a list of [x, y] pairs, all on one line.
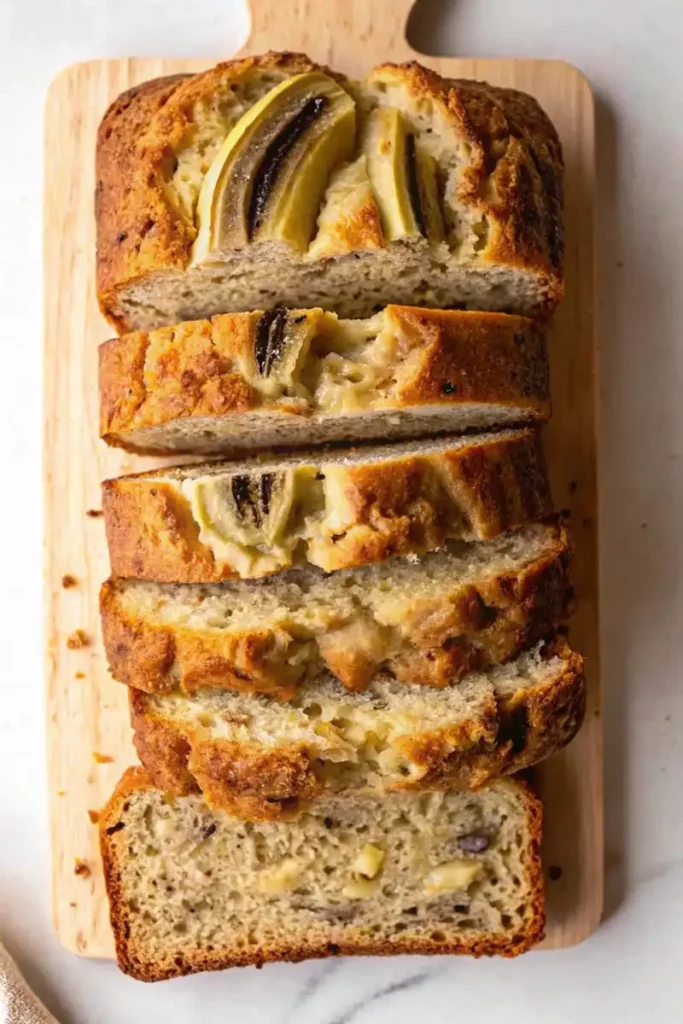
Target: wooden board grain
{"points": [[88, 734]]}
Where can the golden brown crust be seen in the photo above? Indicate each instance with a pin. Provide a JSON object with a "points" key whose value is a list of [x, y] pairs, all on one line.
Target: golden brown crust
{"points": [[514, 181], [516, 168], [166, 747], [157, 378], [468, 627], [398, 506], [355, 231], [192, 374], [260, 784], [123, 221], [142, 964], [529, 726], [139, 230]]}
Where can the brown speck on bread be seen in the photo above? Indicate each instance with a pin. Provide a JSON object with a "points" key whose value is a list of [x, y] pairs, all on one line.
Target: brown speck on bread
{"points": [[69, 581], [78, 639]]}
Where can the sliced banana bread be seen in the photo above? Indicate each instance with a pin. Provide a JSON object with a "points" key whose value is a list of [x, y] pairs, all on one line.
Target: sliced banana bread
{"points": [[425, 621], [261, 759], [192, 889], [292, 377], [335, 509], [272, 181]]}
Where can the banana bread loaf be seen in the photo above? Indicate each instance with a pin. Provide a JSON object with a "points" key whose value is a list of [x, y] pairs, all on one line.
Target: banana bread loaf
{"points": [[271, 181]]}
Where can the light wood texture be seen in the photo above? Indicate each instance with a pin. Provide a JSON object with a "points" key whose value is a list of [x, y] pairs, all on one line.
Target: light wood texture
{"points": [[87, 711]]}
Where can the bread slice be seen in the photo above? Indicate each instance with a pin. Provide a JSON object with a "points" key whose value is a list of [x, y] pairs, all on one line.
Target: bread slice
{"points": [[263, 760], [333, 509], [426, 190], [196, 890], [425, 622], [292, 377]]}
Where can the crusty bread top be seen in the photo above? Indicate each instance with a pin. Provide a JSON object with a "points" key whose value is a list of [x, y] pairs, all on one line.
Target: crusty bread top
{"points": [[263, 760], [191, 890], [338, 509], [155, 137], [138, 227], [401, 359], [427, 622]]}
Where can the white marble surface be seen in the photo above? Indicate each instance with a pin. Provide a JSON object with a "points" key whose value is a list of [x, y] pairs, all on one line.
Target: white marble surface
{"points": [[631, 969]]}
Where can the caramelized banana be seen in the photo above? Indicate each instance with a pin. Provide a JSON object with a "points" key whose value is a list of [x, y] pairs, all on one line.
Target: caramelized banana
{"points": [[268, 178], [282, 340], [246, 509], [403, 177]]}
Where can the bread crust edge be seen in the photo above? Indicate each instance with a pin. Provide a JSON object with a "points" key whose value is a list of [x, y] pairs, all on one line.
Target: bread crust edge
{"points": [[394, 507], [466, 358], [487, 622], [278, 782]]}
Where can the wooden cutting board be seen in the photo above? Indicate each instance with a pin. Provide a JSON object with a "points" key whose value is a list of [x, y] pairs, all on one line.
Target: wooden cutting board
{"points": [[87, 723]]}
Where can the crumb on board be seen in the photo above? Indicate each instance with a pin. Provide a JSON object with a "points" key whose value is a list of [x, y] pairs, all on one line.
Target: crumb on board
{"points": [[79, 638], [61, 792], [81, 868], [102, 758], [94, 513], [73, 904], [554, 873], [80, 675], [573, 486], [94, 816], [69, 581]]}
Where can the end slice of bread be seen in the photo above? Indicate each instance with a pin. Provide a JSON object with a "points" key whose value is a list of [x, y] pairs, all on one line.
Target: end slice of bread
{"points": [[192, 889], [464, 209], [334, 509], [262, 759], [426, 621], [302, 376]]}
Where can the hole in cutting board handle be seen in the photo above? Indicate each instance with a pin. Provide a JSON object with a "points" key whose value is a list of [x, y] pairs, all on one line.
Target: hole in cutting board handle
{"points": [[428, 23], [488, 29]]}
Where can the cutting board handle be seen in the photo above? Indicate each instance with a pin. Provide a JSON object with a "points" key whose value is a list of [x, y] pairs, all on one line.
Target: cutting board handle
{"points": [[346, 34]]}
